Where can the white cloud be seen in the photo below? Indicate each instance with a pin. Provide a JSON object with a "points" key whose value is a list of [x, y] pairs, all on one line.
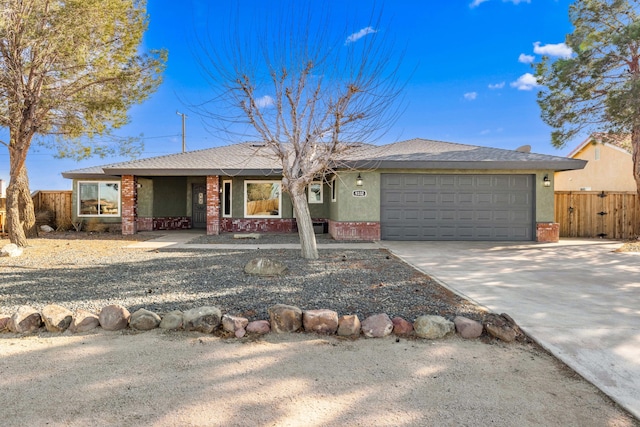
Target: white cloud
{"points": [[496, 86], [470, 96], [560, 50], [477, 3], [526, 81], [264, 102], [526, 59], [490, 131], [360, 34]]}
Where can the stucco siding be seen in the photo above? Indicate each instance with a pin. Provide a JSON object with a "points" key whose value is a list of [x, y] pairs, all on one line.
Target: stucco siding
{"points": [[608, 169]]}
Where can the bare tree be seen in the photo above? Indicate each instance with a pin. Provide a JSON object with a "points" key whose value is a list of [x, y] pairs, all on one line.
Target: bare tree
{"points": [[309, 95]]}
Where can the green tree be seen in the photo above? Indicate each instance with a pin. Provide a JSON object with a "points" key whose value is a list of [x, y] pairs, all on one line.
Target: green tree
{"points": [[597, 89], [69, 71], [309, 96]]}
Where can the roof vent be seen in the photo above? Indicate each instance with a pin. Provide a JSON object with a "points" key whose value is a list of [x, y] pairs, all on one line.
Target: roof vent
{"points": [[524, 149], [258, 144]]}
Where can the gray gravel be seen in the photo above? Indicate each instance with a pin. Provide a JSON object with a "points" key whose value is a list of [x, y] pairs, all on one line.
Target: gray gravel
{"points": [[362, 282]]}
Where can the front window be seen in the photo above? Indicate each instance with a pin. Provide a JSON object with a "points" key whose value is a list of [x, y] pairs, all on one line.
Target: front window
{"points": [[99, 198], [315, 192], [262, 199], [334, 189], [226, 199]]}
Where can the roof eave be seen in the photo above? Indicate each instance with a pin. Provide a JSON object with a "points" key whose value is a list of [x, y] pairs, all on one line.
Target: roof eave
{"points": [[560, 165], [194, 172]]}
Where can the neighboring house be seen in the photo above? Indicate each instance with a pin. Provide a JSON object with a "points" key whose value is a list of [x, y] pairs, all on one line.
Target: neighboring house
{"points": [[411, 190], [609, 167]]}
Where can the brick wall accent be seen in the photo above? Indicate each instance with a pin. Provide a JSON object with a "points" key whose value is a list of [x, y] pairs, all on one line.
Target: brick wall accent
{"points": [[548, 232], [353, 230], [213, 205], [144, 224], [172, 223], [254, 225], [128, 199]]}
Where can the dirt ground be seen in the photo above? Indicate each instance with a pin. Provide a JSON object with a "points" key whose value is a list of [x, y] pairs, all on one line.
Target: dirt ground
{"points": [[161, 378]]}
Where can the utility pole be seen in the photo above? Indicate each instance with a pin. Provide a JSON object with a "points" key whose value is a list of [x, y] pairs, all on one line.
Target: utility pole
{"points": [[184, 116]]}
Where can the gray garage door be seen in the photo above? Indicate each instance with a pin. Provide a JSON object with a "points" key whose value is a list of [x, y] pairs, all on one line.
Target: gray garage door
{"points": [[457, 207]]}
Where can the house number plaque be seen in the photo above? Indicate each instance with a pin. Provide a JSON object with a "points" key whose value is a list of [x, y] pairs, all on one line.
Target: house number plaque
{"points": [[359, 193]]}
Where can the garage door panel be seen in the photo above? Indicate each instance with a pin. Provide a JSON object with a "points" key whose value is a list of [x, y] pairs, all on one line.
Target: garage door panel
{"points": [[457, 207], [447, 198]]}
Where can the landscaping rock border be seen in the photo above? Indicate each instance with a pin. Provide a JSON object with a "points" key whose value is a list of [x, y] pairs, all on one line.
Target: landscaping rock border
{"points": [[283, 319]]}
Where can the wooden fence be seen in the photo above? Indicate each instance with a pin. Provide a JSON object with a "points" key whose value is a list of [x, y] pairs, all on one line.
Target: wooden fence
{"points": [[610, 215], [56, 202]]}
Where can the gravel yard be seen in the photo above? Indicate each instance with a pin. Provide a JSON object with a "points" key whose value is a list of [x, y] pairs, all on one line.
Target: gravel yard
{"points": [[91, 271], [166, 378]]}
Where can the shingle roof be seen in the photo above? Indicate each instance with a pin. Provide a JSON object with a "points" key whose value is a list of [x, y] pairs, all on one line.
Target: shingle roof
{"points": [[254, 159], [422, 153]]}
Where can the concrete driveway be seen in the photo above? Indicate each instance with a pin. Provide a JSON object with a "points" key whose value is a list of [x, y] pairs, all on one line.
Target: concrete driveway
{"points": [[578, 299]]}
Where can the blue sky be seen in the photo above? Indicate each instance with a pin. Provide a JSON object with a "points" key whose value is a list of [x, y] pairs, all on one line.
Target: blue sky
{"points": [[465, 66]]}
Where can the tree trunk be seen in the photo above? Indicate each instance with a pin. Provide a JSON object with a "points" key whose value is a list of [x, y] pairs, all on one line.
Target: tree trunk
{"points": [[25, 205], [305, 225], [635, 149], [14, 225], [21, 219]]}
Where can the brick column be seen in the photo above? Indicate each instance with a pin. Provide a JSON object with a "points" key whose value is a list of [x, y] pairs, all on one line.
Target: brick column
{"points": [[129, 193], [213, 205], [548, 232]]}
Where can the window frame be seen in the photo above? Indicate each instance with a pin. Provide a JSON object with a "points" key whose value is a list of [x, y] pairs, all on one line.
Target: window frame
{"points": [[334, 192], [311, 194], [245, 195], [224, 198], [98, 214]]}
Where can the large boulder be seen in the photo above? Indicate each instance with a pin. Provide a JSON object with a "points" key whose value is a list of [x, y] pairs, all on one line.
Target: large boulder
{"points": [[285, 318], [433, 327], [202, 319], [502, 327], [349, 326], [11, 250], [259, 327], [84, 321], [401, 326], [25, 320], [377, 326], [5, 321], [144, 320], [114, 317], [467, 328], [56, 318], [320, 321], [172, 321], [235, 324], [264, 267]]}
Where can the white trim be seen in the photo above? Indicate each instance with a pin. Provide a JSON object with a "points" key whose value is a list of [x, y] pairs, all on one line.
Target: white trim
{"points": [[230, 198], [588, 141], [247, 182], [98, 214], [312, 195]]}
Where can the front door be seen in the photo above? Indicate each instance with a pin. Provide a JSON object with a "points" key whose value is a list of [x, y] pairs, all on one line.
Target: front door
{"points": [[199, 206]]}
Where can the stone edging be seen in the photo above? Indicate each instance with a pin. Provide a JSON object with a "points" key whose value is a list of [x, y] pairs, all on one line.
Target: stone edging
{"points": [[282, 319]]}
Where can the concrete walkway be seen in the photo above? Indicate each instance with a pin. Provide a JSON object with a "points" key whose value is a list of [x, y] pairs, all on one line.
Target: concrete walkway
{"points": [[179, 240], [578, 299]]}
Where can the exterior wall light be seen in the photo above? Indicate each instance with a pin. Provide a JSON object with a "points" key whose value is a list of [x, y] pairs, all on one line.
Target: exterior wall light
{"points": [[359, 180], [546, 181]]}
